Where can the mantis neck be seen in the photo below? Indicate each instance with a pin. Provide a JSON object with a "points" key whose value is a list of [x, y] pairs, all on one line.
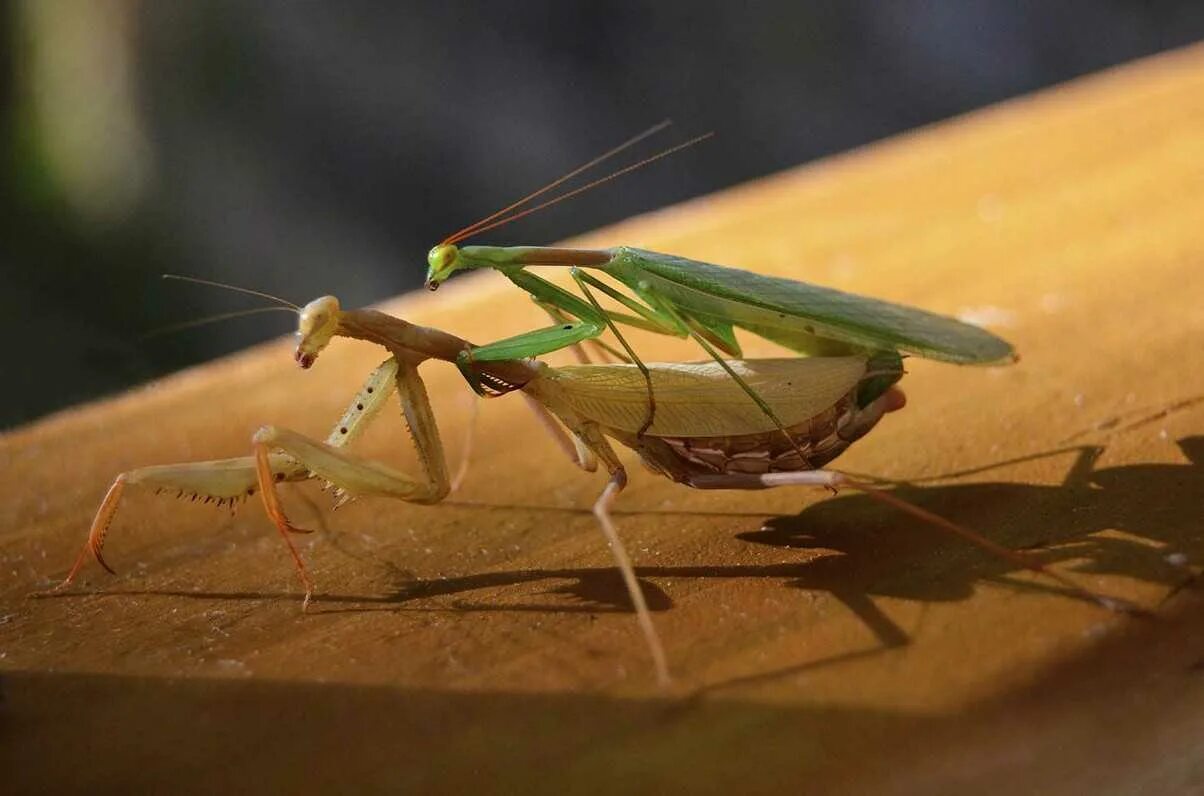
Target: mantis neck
{"points": [[502, 256], [415, 344]]}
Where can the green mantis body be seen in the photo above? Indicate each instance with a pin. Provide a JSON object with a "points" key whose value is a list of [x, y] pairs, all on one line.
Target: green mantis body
{"points": [[683, 297], [706, 434], [687, 298], [677, 296]]}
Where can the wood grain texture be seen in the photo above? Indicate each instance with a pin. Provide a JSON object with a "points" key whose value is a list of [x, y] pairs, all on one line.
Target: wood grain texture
{"points": [[818, 641]]}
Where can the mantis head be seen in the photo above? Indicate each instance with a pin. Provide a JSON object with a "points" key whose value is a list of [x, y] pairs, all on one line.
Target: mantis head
{"points": [[316, 325], [442, 260]]}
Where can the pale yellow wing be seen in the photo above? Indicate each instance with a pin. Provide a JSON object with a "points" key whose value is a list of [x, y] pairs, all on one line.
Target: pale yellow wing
{"points": [[699, 399]]}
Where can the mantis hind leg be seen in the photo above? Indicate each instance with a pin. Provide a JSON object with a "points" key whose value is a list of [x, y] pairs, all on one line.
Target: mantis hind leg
{"points": [[590, 440], [834, 480], [618, 479]]}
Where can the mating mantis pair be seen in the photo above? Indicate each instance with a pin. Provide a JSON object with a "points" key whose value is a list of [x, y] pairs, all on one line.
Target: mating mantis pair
{"points": [[706, 434], [721, 424]]}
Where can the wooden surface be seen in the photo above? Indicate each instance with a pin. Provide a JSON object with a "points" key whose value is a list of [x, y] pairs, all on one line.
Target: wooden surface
{"points": [[817, 641]]}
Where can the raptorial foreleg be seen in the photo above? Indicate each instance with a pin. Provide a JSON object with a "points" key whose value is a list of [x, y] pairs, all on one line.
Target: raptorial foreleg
{"points": [[351, 475], [229, 480], [221, 481]]}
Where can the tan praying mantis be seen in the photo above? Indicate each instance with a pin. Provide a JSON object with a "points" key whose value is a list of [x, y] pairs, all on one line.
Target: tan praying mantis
{"points": [[706, 433]]}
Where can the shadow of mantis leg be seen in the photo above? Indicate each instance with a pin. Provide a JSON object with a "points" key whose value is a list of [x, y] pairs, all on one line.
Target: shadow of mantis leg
{"points": [[351, 475], [1079, 474], [228, 481], [834, 480]]}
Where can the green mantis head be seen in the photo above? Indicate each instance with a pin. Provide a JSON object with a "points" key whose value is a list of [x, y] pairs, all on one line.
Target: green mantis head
{"points": [[316, 325], [443, 260]]}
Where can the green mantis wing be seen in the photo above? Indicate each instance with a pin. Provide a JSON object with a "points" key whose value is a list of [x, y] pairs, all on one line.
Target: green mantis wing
{"points": [[800, 315]]}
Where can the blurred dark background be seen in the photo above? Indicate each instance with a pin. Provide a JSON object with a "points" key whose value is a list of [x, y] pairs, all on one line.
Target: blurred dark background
{"points": [[307, 148]]}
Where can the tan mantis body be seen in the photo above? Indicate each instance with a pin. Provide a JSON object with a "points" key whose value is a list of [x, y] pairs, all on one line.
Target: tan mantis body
{"points": [[707, 433]]}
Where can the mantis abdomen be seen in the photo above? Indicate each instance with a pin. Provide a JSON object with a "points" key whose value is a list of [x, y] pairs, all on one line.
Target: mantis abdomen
{"points": [[706, 425], [699, 399]]}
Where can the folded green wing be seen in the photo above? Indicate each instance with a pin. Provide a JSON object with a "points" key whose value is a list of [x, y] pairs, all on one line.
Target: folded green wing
{"points": [[803, 316]]}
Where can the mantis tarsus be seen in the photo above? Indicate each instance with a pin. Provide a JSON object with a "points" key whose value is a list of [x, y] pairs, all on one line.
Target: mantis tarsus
{"points": [[706, 433]]}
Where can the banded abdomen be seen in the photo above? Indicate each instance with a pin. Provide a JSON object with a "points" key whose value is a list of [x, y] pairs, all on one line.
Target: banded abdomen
{"points": [[706, 423]]}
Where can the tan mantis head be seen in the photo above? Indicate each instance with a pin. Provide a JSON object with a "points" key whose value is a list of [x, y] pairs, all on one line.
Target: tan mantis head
{"points": [[317, 323]]}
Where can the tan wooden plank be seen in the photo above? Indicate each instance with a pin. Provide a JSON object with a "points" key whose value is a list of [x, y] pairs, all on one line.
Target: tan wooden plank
{"points": [[816, 640]]}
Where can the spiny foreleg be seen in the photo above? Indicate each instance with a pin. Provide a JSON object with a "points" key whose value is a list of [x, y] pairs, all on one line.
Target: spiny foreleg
{"points": [[222, 481], [351, 475], [229, 481]]}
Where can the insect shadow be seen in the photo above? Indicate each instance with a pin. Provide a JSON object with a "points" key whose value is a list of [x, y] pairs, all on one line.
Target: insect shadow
{"points": [[866, 551], [1154, 507]]}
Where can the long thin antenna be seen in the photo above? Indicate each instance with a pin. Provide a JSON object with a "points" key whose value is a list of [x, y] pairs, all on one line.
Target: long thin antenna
{"points": [[583, 188], [179, 327], [471, 228], [236, 289]]}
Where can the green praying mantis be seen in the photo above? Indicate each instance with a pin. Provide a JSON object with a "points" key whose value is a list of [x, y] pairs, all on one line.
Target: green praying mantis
{"points": [[676, 296], [718, 424]]}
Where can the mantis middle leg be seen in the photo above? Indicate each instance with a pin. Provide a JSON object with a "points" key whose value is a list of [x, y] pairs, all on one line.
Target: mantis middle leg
{"points": [[605, 352], [591, 446], [590, 323]]}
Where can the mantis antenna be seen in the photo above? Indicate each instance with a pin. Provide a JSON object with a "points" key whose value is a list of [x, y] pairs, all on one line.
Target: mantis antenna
{"points": [[475, 226], [489, 222], [225, 316], [235, 288]]}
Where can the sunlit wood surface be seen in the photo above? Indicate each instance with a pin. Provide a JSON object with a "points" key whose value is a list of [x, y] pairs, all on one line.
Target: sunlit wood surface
{"points": [[817, 642]]}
